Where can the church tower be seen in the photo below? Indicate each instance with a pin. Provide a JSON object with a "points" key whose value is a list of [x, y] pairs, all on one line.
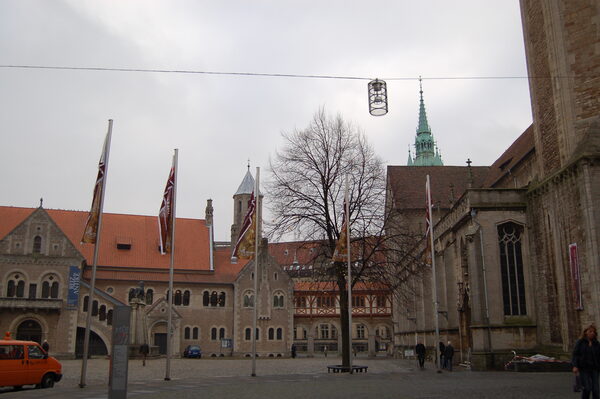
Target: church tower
{"points": [[240, 206], [426, 152]]}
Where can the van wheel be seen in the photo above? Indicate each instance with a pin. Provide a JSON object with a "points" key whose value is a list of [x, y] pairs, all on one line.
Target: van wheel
{"points": [[47, 380]]}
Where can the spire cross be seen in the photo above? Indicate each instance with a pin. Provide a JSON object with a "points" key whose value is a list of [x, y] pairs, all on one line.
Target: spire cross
{"points": [[41, 202], [248, 163]]}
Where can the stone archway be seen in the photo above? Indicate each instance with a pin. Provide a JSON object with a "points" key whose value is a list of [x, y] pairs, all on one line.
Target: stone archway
{"points": [[97, 347], [29, 330]]}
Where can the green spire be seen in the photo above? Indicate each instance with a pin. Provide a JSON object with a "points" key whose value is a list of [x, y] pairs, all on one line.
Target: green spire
{"points": [[423, 125], [426, 151]]}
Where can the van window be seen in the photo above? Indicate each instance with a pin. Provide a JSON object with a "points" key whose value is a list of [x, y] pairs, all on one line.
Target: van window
{"points": [[35, 352], [11, 352]]}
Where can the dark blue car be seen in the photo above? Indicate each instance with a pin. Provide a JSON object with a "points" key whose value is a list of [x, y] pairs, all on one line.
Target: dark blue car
{"points": [[192, 351]]}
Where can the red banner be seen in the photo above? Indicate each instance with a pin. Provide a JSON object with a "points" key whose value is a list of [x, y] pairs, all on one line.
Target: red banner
{"points": [[165, 215]]}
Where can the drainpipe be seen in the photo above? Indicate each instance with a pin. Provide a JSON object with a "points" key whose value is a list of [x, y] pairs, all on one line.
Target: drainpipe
{"points": [[485, 290]]}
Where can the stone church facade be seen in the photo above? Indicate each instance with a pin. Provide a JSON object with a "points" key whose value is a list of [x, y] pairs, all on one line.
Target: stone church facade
{"points": [[517, 248]]}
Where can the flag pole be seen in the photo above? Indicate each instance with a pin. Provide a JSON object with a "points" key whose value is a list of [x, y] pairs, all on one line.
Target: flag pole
{"points": [[172, 262], [435, 296], [347, 217], [256, 238], [88, 320]]}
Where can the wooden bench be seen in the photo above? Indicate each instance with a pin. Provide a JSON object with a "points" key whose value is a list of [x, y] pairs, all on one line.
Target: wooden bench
{"points": [[342, 369]]}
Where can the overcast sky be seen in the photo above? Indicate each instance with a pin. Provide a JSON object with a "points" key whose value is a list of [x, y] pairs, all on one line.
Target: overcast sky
{"points": [[53, 122]]}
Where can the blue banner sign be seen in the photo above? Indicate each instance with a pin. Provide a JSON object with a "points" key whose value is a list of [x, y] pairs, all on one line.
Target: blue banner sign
{"points": [[73, 295]]}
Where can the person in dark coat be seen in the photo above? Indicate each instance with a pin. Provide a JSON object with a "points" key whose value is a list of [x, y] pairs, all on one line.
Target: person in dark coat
{"points": [[442, 349], [293, 351], [420, 351], [586, 362], [448, 355], [46, 346], [144, 350]]}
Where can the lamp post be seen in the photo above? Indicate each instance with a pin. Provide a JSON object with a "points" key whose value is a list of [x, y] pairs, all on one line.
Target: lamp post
{"points": [[378, 105]]}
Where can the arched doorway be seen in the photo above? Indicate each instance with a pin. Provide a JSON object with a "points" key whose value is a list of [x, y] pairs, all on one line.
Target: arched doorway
{"points": [[29, 330], [97, 346], [159, 337]]}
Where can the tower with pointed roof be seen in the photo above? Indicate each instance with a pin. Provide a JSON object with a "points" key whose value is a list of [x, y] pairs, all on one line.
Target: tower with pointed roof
{"points": [[426, 151], [240, 205]]}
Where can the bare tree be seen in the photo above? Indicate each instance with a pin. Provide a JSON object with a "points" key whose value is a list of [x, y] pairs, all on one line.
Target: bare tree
{"points": [[306, 194]]}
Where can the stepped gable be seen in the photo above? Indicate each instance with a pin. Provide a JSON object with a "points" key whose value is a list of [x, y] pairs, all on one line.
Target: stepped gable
{"points": [[518, 150], [407, 184]]}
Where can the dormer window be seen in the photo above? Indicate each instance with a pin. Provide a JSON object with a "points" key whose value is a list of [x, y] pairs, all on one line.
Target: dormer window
{"points": [[124, 243]]}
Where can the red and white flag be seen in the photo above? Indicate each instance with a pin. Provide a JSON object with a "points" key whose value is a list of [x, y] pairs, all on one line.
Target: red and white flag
{"points": [[166, 214], [90, 233], [429, 224], [244, 247]]}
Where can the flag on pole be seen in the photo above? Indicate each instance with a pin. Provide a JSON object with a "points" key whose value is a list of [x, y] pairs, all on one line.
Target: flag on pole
{"points": [[90, 232], [341, 248], [428, 223], [165, 215], [244, 247]]}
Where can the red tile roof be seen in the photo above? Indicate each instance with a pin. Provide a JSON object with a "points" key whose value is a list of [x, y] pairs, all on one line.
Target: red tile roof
{"points": [[191, 245], [517, 151], [286, 252], [408, 184]]}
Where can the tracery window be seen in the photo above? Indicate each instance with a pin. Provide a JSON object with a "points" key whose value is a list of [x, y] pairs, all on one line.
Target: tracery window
{"points": [[511, 266], [16, 286], [278, 300], [248, 299], [50, 287]]}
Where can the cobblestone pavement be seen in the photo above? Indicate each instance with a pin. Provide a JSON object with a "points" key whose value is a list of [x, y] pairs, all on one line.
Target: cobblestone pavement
{"points": [[300, 378]]}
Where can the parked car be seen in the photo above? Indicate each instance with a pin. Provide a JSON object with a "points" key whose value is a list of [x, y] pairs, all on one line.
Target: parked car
{"points": [[192, 351], [26, 363]]}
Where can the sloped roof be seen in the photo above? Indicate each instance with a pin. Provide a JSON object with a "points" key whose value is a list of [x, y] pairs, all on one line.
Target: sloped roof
{"points": [[408, 184], [247, 185], [285, 253], [143, 261], [517, 151]]}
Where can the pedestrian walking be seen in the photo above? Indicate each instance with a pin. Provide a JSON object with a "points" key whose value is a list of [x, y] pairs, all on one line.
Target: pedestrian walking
{"points": [[586, 362], [293, 351], [442, 349], [144, 350], [448, 355], [45, 346], [325, 350], [420, 351]]}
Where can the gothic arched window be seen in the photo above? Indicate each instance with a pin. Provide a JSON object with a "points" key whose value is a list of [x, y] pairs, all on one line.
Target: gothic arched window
{"points": [[511, 266], [279, 334], [186, 298], [213, 298], [222, 299], [177, 298], [205, 298]]}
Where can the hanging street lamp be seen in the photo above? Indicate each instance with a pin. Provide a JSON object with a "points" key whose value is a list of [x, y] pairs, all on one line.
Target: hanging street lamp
{"points": [[378, 105]]}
